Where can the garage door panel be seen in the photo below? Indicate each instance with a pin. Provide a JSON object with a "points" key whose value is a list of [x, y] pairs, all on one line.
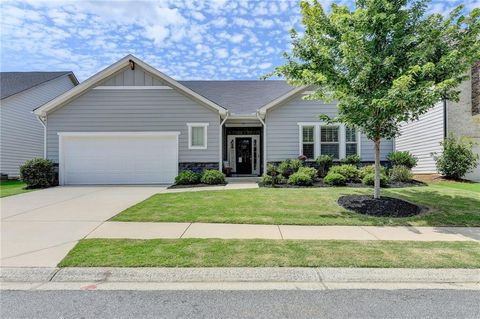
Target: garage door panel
{"points": [[119, 159]]}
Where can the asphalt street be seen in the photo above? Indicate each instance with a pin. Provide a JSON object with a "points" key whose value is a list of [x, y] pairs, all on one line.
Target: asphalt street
{"points": [[241, 304]]}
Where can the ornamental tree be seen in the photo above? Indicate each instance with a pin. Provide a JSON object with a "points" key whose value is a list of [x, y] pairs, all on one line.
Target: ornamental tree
{"points": [[385, 61]]}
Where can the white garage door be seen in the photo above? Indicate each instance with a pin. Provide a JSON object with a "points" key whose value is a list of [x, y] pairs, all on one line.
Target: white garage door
{"points": [[118, 158]]}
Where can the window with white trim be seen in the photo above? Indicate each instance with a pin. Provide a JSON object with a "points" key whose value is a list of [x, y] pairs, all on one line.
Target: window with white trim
{"points": [[308, 141], [351, 146], [197, 135], [330, 141]]}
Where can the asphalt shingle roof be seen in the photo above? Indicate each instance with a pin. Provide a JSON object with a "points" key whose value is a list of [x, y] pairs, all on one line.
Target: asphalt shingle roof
{"points": [[16, 82], [240, 96]]}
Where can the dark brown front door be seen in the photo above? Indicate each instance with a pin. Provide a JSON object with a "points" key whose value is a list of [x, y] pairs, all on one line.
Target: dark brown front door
{"points": [[243, 150]]}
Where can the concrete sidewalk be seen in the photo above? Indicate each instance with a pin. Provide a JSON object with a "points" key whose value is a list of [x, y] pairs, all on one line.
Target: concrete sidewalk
{"points": [[141, 230], [236, 278]]}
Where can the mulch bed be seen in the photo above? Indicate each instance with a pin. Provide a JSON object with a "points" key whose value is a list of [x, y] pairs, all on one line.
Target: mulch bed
{"points": [[194, 186], [382, 207]]}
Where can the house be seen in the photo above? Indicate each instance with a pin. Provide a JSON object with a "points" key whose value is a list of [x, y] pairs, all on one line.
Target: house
{"points": [[130, 123], [462, 118], [21, 134]]}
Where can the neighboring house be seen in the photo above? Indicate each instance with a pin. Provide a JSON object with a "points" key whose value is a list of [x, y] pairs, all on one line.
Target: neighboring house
{"points": [[130, 123], [462, 118], [21, 133]]}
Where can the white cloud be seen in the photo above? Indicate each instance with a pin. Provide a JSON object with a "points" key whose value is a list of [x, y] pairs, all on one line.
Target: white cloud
{"points": [[236, 38], [265, 65], [222, 53], [198, 15]]}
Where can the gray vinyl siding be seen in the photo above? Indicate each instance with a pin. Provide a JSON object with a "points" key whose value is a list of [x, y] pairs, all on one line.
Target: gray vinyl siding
{"points": [[128, 77], [22, 136], [282, 129], [130, 110], [422, 137]]}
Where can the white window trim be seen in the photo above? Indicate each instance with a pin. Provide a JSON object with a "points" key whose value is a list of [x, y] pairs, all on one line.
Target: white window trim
{"points": [[317, 144], [205, 129]]}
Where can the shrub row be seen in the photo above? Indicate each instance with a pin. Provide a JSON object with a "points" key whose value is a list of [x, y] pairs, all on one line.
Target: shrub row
{"points": [[209, 176]]}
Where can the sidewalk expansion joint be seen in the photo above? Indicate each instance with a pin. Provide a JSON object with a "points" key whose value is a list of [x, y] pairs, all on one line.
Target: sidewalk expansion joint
{"points": [[181, 236], [280, 231]]}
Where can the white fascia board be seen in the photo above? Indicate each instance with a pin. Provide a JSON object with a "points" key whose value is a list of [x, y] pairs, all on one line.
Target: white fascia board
{"points": [[149, 133], [117, 66]]}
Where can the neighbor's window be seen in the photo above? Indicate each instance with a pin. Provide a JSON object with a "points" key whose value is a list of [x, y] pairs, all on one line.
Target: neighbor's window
{"points": [[197, 135], [329, 141], [308, 142], [350, 141]]}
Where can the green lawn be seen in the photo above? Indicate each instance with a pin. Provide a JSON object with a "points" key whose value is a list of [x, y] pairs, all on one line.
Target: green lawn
{"points": [[468, 186], [9, 188], [271, 253], [303, 206]]}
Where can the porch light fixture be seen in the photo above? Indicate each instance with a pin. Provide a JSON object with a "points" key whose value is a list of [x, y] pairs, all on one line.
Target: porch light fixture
{"points": [[132, 64]]}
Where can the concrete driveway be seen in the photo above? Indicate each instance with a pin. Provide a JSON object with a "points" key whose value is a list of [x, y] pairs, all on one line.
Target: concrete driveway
{"points": [[39, 228]]}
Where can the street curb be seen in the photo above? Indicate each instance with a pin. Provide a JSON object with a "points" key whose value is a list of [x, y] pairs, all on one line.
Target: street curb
{"points": [[244, 275]]}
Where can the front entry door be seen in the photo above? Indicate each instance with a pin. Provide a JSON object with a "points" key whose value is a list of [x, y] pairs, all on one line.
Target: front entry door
{"points": [[243, 150]]}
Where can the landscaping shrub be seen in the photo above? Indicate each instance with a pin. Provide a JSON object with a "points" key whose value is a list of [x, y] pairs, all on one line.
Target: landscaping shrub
{"points": [[266, 179], [289, 167], [188, 177], [324, 163], [38, 173], [310, 171], [335, 179], [369, 179], [402, 158], [400, 173], [300, 179], [349, 171], [370, 169], [457, 159], [212, 177], [353, 159]]}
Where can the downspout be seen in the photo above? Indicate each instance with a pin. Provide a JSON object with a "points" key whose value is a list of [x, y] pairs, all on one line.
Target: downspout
{"points": [[220, 152], [264, 142], [445, 119], [43, 122]]}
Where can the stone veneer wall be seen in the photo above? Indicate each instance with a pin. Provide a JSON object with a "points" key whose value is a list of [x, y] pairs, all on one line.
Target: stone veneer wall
{"points": [[197, 166], [476, 89]]}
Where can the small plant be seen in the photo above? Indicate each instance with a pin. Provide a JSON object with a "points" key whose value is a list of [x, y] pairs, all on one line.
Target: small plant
{"points": [[272, 171], [266, 180], [457, 159], [402, 158], [324, 163], [187, 177], [335, 179], [310, 171], [400, 173], [300, 179], [212, 177], [349, 171], [353, 159], [369, 180], [370, 169], [38, 173], [289, 167]]}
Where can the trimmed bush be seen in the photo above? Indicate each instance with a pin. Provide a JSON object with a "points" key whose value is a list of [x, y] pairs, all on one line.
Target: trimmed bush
{"points": [[38, 173], [400, 173], [349, 171], [324, 163], [187, 177], [289, 167], [369, 179], [266, 180], [370, 169], [402, 158], [353, 159], [212, 177], [310, 171], [300, 179], [335, 179], [457, 159]]}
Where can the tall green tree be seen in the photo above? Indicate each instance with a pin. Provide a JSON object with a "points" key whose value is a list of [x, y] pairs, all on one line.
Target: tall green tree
{"points": [[386, 61]]}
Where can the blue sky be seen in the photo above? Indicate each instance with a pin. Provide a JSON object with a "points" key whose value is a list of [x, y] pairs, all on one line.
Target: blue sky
{"points": [[215, 39]]}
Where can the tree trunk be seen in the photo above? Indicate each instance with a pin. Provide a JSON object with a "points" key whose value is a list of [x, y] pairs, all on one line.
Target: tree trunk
{"points": [[376, 192]]}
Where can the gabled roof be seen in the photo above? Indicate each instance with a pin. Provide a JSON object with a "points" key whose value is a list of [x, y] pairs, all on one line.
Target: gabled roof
{"points": [[117, 66], [240, 96], [16, 82]]}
